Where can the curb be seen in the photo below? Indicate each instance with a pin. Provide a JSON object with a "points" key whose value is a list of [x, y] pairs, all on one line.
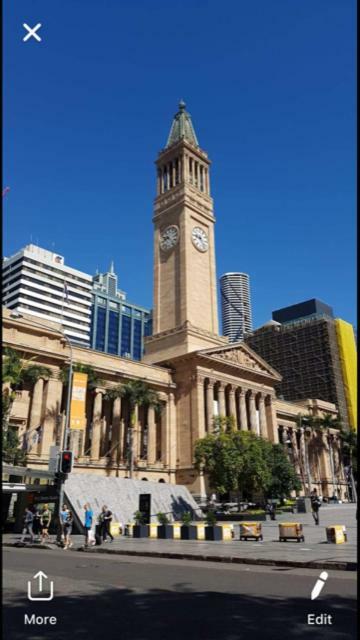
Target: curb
{"points": [[311, 564]]}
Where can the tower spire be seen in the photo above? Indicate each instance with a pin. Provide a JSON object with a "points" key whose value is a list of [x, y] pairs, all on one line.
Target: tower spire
{"points": [[182, 127], [111, 270]]}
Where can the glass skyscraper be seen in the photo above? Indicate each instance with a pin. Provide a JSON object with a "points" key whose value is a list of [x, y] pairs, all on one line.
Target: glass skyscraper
{"points": [[117, 326]]}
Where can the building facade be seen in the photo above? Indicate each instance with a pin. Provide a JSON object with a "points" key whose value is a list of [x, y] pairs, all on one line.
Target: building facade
{"points": [[117, 326], [196, 372], [235, 305], [37, 282]]}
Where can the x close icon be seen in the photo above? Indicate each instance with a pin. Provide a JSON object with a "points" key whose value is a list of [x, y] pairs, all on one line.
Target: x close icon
{"points": [[32, 32]]}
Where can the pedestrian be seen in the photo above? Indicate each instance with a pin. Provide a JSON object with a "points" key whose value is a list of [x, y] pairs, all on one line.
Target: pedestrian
{"points": [[37, 523], [28, 525], [67, 530], [63, 518], [106, 524], [315, 506], [88, 522], [45, 522]]}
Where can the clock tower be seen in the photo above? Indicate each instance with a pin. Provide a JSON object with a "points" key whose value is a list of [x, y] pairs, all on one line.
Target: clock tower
{"points": [[185, 315]]}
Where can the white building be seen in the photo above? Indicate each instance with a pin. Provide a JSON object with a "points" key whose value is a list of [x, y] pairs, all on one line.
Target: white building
{"points": [[37, 282], [235, 305]]}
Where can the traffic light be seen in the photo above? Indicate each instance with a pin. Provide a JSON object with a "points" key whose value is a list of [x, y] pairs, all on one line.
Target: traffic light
{"points": [[66, 461]]}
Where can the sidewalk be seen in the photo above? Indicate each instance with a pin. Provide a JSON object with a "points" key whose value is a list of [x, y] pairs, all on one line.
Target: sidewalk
{"points": [[315, 552]]}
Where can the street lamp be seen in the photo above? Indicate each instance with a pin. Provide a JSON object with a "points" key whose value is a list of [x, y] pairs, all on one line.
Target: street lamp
{"points": [[15, 315]]}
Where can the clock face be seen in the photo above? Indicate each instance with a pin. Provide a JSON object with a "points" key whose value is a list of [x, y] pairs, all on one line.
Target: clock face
{"points": [[200, 239], [169, 237]]}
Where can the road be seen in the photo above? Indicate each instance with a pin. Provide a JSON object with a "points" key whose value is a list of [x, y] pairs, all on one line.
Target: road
{"points": [[130, 598]]}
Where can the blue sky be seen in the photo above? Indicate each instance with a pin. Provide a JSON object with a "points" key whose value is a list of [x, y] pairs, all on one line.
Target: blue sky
{"points": [[271, 90]]}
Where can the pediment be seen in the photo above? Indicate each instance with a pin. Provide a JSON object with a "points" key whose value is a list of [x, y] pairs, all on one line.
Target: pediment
{"points": [[241, 356]]}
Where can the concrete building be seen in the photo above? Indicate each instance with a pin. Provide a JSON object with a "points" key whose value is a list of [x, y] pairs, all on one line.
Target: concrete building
{"points": [[305, 349], [37, 282], [196, 372], [117, 326], [235, 305]]}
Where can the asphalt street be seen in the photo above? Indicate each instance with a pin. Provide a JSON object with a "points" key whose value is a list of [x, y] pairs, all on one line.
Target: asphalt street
{"points": [[131, 598]]}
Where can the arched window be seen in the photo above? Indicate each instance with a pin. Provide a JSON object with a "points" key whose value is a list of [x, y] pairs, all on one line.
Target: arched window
{"points": [[161, 480]]}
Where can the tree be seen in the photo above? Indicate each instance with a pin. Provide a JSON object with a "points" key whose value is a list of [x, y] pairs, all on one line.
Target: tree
{"points": [[138, 394], [220, 458], [283, 476], [17, 372], [242, 461]]}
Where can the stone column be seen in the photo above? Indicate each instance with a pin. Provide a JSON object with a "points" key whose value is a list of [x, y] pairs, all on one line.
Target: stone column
{"points": [[221, 400], [243, 413], [271, 419], [151, 451], [116, 431], [52, 410], [35, 415], [252, 412], [159, 191], [295, 451], [232, 405], [200, 408], [262, 417], [284, 439], [210, 405], [171, 432], [96, 426], [164, 435], [136, 435], [36, 404]]}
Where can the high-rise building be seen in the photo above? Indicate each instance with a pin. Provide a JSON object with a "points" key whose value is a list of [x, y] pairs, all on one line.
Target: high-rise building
{"points": [[37, 282], [235, 305], [310, 350], [117, 326]]}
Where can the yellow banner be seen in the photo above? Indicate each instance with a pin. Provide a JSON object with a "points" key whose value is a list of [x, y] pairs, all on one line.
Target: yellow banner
{"points": [[78, 400]]}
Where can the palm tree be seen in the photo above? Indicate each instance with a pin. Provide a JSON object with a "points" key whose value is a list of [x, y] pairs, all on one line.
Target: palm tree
{"points": [[138, 394], [93, 379], [17, 371]]}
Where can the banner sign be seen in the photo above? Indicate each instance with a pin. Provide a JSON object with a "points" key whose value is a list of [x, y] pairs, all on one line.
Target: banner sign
{"points": [[78, 400]]}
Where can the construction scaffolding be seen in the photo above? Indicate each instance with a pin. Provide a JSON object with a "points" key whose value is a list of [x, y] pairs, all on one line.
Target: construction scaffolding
{"points": [[305, 352]]}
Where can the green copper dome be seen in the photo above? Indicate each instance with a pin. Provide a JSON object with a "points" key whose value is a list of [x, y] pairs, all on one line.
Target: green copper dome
{"points": [[182, 128]]}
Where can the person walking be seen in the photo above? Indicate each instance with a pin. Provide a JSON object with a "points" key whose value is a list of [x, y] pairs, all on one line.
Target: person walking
{"points": [[28, 525], [45, 519], [89, 515], [106, 518], [315, 506], [67, 530], [63, 518], [37, 524]]}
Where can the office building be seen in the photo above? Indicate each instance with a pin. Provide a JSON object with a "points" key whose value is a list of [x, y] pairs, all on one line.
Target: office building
{"points": [[37, 282], [117, 326], [310, 350], [235, 305]]}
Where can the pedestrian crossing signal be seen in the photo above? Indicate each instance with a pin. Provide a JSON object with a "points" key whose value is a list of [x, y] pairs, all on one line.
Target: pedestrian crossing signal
{"points": [[66, 461]]}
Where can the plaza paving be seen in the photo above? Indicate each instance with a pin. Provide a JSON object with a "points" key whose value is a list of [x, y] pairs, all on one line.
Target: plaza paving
{"points": [[315, 552]]}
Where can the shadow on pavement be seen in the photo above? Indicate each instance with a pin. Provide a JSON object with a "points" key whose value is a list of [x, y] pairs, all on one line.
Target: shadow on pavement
{"points": [[180, 614]]}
